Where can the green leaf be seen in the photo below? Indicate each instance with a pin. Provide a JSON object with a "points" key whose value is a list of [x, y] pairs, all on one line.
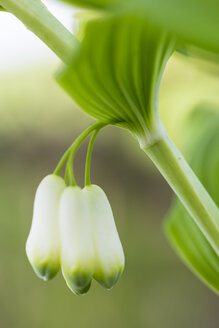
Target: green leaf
{"points": [[94, 4], [193, 22], [2, 9], [115, 76], [182, 232]]}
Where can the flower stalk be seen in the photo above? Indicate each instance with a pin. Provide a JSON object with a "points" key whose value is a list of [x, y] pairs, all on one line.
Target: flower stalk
{"points": [[76, 144], [87, 180]]}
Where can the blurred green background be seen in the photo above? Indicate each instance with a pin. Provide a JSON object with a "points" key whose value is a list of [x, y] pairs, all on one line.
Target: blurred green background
{"points": [[37, 123]]}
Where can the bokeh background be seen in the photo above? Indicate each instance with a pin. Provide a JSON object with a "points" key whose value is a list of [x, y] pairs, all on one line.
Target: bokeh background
{"points": [[38, 121]]}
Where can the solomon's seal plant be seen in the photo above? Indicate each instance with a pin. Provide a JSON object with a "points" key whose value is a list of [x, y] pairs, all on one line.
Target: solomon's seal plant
{"points": [[113, 74]]}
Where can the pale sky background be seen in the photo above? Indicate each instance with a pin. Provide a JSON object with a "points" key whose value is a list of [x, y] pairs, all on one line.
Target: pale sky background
{"points": [[20, 48]]}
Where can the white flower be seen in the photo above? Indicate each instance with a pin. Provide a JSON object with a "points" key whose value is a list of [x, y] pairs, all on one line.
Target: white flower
{"points": [[109, 256], [90, 245], [43, 243], [76, 240]]}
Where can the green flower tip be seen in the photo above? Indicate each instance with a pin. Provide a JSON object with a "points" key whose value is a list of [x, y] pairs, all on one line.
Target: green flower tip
{"points": [[109, 279], [45, 271], [78, 281]]}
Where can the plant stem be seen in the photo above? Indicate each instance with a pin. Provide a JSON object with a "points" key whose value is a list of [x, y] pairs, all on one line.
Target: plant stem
{"points": [[188, 188], [41, 22], [70, 152], [88, 159], [76, 145]]}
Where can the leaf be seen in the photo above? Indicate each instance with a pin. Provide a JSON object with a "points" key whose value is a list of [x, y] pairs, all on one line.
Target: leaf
{"points": [[182, 232], [193, 22], [115, 76], [95, 4]]}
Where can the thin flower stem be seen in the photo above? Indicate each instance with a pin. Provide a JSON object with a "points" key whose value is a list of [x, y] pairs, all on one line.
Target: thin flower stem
{"points": [[88, 159], [42, 23], [76, 145], [188, 188], [70, 152], [66, 174]]}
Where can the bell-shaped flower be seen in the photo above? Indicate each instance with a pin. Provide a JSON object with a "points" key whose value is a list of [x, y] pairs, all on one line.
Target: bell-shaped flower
{"points": [[43, 243], [109, 256], [77, 254]]}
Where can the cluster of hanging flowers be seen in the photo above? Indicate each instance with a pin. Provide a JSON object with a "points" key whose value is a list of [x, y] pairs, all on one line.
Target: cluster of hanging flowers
{"points": [[74, 229]]}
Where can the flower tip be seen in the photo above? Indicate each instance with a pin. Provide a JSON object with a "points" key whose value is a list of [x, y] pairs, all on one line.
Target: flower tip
{"points": [[46, 272], [45, 268], [80, 291], [78, 282], [109, 280]]}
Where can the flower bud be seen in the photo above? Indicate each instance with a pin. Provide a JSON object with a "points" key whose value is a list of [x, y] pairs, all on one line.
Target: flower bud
{"points": [[109, 256], [43, 244], [76, 240]]}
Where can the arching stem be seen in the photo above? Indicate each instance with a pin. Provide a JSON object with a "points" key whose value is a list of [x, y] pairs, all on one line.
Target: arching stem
{"points": [[88, 159], [71, 151]]}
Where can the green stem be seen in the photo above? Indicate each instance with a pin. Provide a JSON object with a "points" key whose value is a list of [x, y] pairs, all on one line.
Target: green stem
{"points": [[70, 152], [70, 172], [66, 174], [76, 145], [188, 188], [88, 159], [41, 22]]}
